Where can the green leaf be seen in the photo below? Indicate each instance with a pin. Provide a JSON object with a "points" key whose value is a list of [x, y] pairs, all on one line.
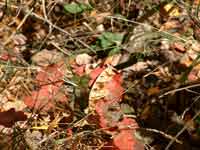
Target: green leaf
{"points": [[75, 8], [126, 109], [84, 81], [108, 39], [85, 6], [114, 51], [198, 120], [198, 131]]}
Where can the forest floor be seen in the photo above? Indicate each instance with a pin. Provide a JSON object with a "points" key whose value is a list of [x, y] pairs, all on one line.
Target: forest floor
{"points": [[99, 74]]}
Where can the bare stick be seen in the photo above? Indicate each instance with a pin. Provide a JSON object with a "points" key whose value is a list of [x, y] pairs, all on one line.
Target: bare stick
{"points": [[181, 131], [54, 26], [44, 9], [164, 134], [179, 89], [18, 27]]}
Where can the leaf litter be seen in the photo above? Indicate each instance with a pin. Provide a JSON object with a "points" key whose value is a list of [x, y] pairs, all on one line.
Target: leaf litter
{"points": [[106, 74]]}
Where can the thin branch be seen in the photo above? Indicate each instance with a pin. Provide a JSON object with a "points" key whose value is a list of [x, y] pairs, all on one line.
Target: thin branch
{"points": [[18, 27], [179, 89], [44, 9], [181, 131], [54, 26], [164, 134], [143, 24]]}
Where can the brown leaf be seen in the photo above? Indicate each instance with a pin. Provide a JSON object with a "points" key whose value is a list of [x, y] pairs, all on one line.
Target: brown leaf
{"points": [[153, 91], [83, 59], [179, 47], [46, 57], [8, 118]]}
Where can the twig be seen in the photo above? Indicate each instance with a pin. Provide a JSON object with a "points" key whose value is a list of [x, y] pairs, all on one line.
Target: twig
{"points": [[188, 108], [60, 49], [44, 9], [54, 26], [143, 24], [179, 89], [18, 27], [164, 134], [63, 31], [181, 131]]}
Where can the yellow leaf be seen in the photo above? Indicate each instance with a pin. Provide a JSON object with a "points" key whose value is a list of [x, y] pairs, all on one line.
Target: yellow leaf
{"points": [[173, 11], [43, 127]]}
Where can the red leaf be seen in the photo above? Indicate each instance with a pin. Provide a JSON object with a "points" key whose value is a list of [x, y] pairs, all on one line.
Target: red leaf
{"points": [[115, 88], [193, 75], [45, 98], [125, 141], [108, 113], [51, 80], [5, 56], [69, 132], [94, 74], [101, 108], [179, 47], [79, 70], [52, 74], [10, 117]]}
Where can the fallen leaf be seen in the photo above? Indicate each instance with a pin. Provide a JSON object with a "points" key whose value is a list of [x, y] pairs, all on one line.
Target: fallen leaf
{"points": [[94, 74], [193, 75], [107, 86], [192, 54], [45, 57], [33, 138], [83, 59], [153, 91], [115, 90], [18, 105], [128, 123], [125, 140], [179, 47], [5, 56], [79, 70], [100, 17], [52, 74], [174, 12], [109, 113], [113, 60], [139, 66], [10, 117], [170, 25], [45, 98], [19, 39]]}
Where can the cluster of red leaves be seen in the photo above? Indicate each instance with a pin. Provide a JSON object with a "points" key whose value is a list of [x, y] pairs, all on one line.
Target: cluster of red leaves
{"points": [[110, 115], [50, 81]]}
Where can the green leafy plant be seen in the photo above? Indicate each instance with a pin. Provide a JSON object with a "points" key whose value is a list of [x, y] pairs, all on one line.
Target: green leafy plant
{"points": [[111, 41], [75, 8], [108, 39]]}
